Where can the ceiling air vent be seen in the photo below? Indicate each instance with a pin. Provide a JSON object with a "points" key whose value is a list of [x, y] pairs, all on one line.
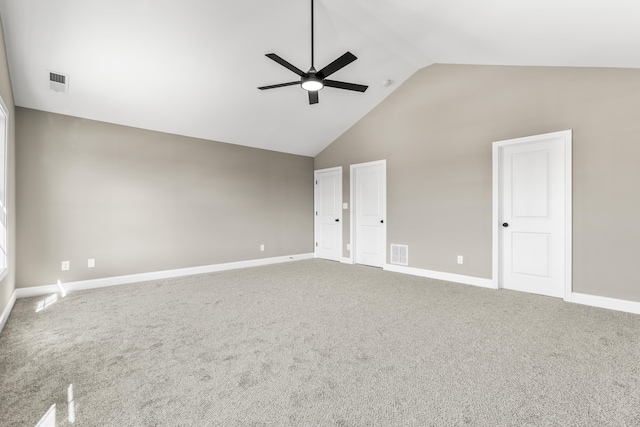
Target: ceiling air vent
{"points": [[58, 82]]}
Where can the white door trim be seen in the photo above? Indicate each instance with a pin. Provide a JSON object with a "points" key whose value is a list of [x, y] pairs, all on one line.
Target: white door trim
{"points": [[352, 207], [497, 146], [315, 208]]}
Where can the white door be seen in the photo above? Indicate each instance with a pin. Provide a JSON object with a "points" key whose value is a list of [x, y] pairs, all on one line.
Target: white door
{"points": [[328, 213], [369, 206], [533, 187]]}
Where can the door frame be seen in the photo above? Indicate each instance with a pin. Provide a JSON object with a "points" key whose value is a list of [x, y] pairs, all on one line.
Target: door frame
{"points": [[352, 208], [566, 137], [315, 209]]}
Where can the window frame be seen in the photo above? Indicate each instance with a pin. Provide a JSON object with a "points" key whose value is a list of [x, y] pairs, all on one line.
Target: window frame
{"points": [[4, 134]]}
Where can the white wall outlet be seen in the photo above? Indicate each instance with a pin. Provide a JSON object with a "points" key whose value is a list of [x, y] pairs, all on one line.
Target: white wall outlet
{"points": [[348, 246], [91, 262], [261, 248], [66, 265], [459, 259], [345, 206]]}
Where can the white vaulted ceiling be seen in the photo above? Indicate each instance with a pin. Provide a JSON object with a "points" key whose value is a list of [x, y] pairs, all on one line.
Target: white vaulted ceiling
{"points": [[192, 67]]}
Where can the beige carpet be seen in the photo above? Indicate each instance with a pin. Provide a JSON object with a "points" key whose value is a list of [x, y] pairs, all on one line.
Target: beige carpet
{"points": [[316, 343]]}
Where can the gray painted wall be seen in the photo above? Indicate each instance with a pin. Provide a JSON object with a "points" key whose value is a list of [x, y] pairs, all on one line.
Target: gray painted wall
{"points": [[436, 132], [7, 285], [139, 201]]}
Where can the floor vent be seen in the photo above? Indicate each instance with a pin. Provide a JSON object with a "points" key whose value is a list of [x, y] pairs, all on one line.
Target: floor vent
{"points": [[58, 82], [400, 254]]}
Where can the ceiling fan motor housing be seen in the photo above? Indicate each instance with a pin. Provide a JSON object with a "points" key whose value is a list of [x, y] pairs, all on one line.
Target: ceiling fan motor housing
{"points": [[311, 81]]}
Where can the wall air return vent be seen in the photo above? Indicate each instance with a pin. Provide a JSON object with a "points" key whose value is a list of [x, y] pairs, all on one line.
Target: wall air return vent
{"points": [[400, 254], [58, 82]]}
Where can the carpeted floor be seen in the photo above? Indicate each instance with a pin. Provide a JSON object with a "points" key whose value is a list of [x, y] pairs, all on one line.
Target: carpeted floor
{"points": [[317, 343]]}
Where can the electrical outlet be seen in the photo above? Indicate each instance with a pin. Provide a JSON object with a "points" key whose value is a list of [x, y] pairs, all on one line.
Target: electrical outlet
{"points": [[345, 206], [91, 262], [261, 248], [459, 259], [348, 246], [66, 265]]}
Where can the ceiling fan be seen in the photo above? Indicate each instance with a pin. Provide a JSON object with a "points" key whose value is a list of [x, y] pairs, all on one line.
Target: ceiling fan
{"points": [[312, 81]]}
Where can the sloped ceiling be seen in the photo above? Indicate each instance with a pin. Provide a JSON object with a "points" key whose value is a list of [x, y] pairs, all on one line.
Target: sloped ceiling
{"points": [[192, 67]]}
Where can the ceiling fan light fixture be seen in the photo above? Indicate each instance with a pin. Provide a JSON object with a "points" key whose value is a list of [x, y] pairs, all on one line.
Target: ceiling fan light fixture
{"points": [[312, 84]]}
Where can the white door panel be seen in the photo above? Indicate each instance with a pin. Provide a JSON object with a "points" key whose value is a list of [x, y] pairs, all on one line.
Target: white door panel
{"points": [[328, 214], [369, 211], [523, 246], [532, 200], [530, 184]]}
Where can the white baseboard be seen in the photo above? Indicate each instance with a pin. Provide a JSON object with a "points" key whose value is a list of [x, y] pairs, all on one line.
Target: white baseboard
{"points": [[584, 299], [577, 298], [157, 275], [449, 277], [605, 302], [7, 310], [37, 291]]}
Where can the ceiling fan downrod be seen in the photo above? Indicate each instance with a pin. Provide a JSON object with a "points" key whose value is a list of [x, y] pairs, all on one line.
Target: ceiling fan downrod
{"points": [[312, 41], [311, 82]]}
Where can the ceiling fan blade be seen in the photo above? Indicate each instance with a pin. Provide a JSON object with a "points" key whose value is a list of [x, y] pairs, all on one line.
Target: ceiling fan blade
{"points": [[339, 63], [344, 85], [285, 64], [313, 97], [278, 85]]}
